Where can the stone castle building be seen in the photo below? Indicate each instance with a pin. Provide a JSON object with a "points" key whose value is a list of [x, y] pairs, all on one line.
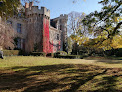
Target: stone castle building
{"points": [[37, 32]]}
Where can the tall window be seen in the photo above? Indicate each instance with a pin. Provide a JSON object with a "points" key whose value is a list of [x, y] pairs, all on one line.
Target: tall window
{"points": [[19, 43], [19, 28], [60, 27]]}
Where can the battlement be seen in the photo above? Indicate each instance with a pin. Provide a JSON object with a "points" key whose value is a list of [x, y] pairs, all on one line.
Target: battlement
{"points": [[31, 10], [64, 16], [61, 17]]}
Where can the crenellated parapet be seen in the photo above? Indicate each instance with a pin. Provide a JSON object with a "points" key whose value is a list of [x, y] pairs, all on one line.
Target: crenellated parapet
{"points": [[31, 10], [64, 16]]}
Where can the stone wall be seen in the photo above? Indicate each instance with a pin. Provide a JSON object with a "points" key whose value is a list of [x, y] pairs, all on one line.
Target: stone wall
{"points": [[53, 39]]}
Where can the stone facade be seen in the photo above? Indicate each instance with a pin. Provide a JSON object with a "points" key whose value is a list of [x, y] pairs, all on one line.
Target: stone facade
{"points": [[36, 30]]}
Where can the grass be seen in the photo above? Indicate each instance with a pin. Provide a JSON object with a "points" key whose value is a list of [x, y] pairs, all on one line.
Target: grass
{"points": [[41, 74], [107, 57]]}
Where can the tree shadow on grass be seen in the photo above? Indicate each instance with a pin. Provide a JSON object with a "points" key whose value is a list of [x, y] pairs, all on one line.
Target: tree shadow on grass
{"points": [[109, 84], [58, 78]]}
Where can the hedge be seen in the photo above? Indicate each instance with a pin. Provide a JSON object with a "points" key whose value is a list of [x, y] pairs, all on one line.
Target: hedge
{"points": [[11, 52], [119, 52], [60, 53], [69, 56], [50, 54], [38, 54], [116, 52]]}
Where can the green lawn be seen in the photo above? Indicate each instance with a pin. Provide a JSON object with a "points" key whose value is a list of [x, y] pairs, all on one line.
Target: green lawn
{"points": [[41, 74]]}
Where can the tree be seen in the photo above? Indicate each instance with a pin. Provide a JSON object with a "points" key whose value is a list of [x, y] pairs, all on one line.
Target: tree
{"points": [[8, 8], [74, 22], [102, 27], [7, 34], [76, 29], [69, 42], [105, 24]]}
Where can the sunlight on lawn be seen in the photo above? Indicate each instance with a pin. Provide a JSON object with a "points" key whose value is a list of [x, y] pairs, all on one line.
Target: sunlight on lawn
{"points": [[23, 74], [33, 61]]}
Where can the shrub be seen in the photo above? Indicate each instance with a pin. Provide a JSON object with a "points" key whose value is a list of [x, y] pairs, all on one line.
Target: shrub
{"points": [[23, 53], [116, 52], [61, 53], [10, 52], [38, 54], [50, 54], [119, 52], [69, 56]]}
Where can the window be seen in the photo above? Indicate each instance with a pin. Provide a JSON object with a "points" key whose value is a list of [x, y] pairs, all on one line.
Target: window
{"points": [[19, 43], [19, 28], [9, 22], [60, 27], [19, 14], [57, 36]]}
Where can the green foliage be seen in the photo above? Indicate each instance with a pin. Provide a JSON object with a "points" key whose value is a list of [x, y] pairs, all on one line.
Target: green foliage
{"points": [[8, 7], [107, 44], [11, 52], [106, 24], [75, 49], [119, 52]]}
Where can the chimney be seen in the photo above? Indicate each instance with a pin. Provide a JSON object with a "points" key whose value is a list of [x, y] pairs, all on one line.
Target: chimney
{"points": [[26, 5], [30, 4]]}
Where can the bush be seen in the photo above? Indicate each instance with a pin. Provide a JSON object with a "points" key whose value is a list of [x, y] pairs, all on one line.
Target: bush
{"points": [[50, 54], [69, 56], [23, 53], [119, 52], [61, 53], [10, 52], [114, 52], [38, 54]]}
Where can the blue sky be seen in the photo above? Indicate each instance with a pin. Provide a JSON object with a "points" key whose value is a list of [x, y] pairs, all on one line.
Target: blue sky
{"points": [[58, 7]]}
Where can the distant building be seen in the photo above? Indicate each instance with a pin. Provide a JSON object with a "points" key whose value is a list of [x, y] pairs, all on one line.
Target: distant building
{"points": [[36, 31]]}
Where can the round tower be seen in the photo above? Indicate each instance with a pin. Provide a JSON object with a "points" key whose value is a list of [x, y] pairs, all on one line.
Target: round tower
{"points": [[63, 27]]}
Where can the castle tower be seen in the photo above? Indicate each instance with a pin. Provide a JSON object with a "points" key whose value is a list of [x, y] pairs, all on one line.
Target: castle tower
{"points": [[46, 24], [63, 27], [38, 21], [60, 23]]}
